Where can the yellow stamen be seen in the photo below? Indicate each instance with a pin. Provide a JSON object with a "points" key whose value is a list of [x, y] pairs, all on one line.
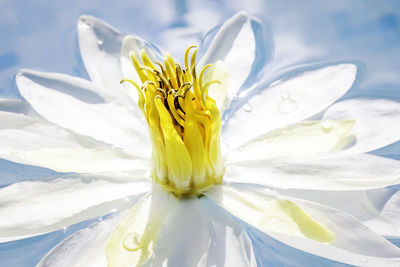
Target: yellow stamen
{"points": [[184, 122]]}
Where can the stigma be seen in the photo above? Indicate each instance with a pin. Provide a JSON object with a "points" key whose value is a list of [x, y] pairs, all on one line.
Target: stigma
{"points": [[184, 123]]}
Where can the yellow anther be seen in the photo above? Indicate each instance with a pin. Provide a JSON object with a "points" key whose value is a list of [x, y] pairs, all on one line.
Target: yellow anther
{"points": [[187, 56], [193, 61], [146, 60], [136, 64], [164, 94], [185, 88], [162, 69], [179, 77], [166, 83], [169, 65], [203, 70], [204, 91], [171, 105]]}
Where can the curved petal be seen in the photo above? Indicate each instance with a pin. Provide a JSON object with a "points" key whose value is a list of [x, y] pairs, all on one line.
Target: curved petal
{"points": [[36, 207], [79, 88], [133, 240], [353, 172], [288, 101], [234, 44], [107, 122], [85, 247], [377, 122], [388, 223], [304, 138], [31, 141], [368, 206], [205, 236], [100, 46], [270, 213], [353, 242]]}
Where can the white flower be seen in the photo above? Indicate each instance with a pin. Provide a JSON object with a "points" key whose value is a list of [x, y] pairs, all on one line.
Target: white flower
{"points": [[307, 183]]}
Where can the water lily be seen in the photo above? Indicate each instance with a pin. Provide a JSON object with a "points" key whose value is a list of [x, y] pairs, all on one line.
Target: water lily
{"points": [[164, 151]]}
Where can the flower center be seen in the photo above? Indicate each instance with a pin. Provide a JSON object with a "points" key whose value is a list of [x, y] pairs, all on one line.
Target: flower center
{"points": [[184, 123]]}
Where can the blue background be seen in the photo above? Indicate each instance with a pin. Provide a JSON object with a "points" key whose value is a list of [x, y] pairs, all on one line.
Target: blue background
{"points": [[42, 35]]}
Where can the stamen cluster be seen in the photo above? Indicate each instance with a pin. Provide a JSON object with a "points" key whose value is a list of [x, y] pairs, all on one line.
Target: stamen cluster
{"points": [[184, 123]]}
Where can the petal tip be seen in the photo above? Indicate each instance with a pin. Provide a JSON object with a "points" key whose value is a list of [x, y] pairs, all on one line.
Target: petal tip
{"points": [[25, 71], [349, 68], [87, 22], [22, 73], [241, 15], [85, 19], [130, 38]]}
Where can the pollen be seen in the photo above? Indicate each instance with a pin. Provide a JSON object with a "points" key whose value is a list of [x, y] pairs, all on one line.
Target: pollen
{"points": [[184, 123]]}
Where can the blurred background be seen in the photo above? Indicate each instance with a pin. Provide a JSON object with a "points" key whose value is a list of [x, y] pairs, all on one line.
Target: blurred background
{"points": [[42, 35]]}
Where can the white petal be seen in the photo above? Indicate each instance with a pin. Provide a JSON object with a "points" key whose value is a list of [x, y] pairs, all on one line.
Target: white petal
{"points": [[85, 247], [377, 122], [131, 43], [205, 236], [133, 240], [304, 138], [31, 141], [353, 172], [388, 222], [235, 45], [36, 207], [107, 122], [82, 89], [270, 212], [368, 206], [289, 101], [353, 244], [100, 46]]}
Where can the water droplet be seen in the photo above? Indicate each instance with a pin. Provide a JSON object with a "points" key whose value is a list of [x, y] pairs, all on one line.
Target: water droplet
{"points": [[100, 42], [326, 125], [241, 148], [247, 107], [286, 105], [363, 259], [126, 199], [132, 241], [113, 210]]}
